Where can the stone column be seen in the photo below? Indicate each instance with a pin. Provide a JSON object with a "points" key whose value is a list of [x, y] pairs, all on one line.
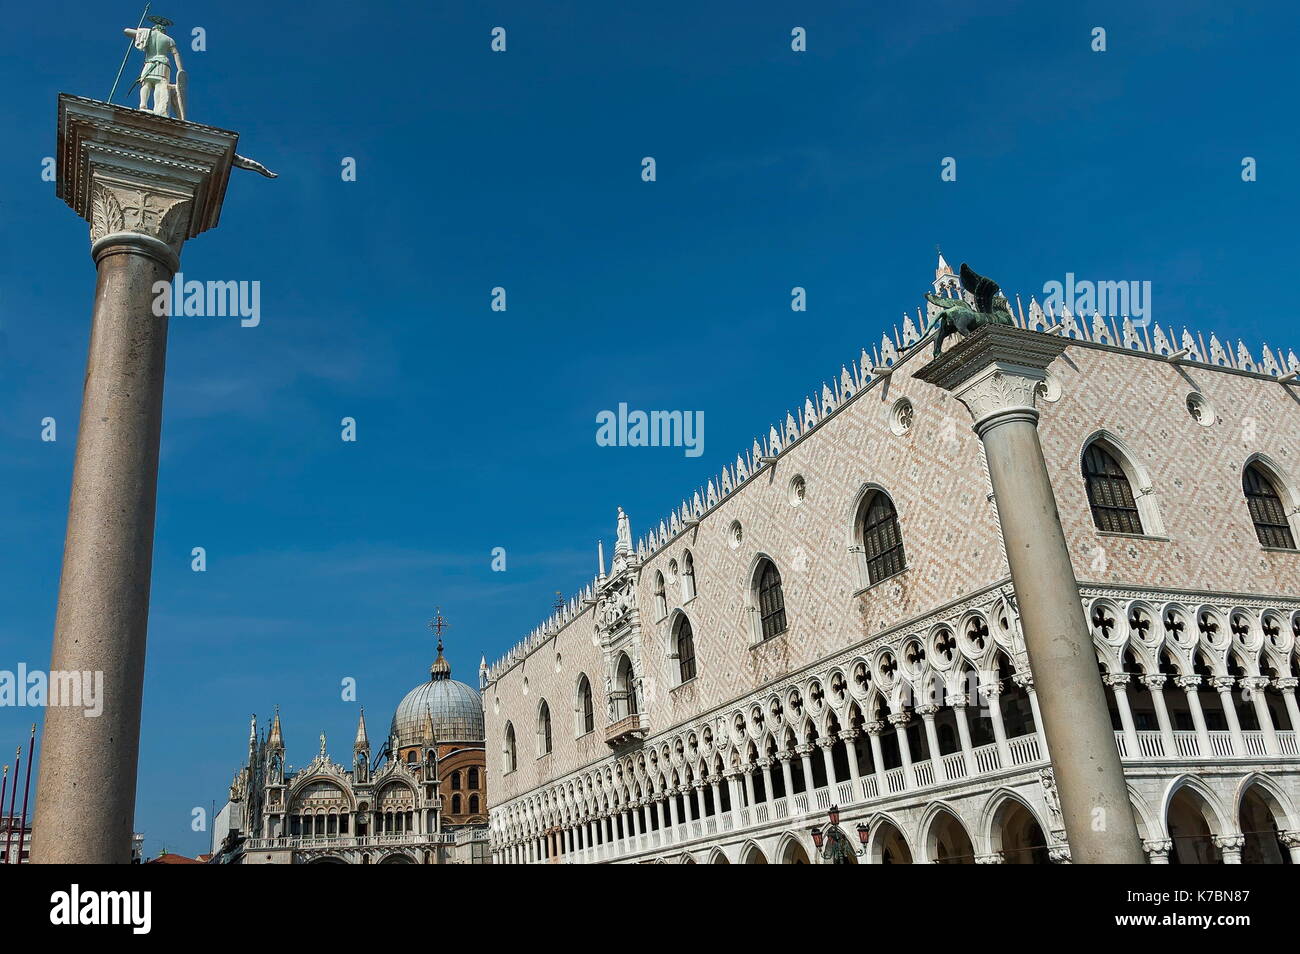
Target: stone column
{"points": [[959, 706], [928, 712], [1287, 686], [828, 760], [145, 183], [805, 760], [715, 785], [750, 768], [874, 730], [1189, 685], [1118, 682], [672, 808], [787, 777], [850, 737], [1157, 850], [1025, 680], [1255, 686], [899, 720], [1155, 684], [1230, 846], [1223, 686], [992, 698], [1291, 841], [995, 372], [765, 766]]}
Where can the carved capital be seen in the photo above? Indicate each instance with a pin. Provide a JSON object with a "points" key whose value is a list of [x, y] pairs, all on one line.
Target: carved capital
{"points": [[1286, 683], [1157, 846], [900, 719], [874, 728], [1117, 680], [928, 711], [121, 207], [1187, 683], [1155, 682], [1223, 683], [995, 372]]}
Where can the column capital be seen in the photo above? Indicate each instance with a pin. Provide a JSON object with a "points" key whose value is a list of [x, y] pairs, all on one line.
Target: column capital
{"points": [[900, 719], [1154, 681], [995, 372], [1255, 683], [826, 743], [1187, 683], [1230, 844], [850, 735], [928, 711], [875, 727], [1117, 680], [805, 749], [129, 172], [1223, 683], [1157, 846], [1285, 683], [994, 858]]}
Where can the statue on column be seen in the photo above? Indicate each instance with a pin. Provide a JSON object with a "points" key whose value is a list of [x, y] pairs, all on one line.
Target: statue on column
{"points": [[956, 316], [155, 75]]}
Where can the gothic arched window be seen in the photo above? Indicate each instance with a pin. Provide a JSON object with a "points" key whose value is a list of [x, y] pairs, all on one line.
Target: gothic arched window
{"points": [[882, 540], [771, 600], [509, 755], [688, 577], [544, 729], [1266, 510], [685, 650], [661, 597], [586, 714], [626, 685], [1109, 493]]}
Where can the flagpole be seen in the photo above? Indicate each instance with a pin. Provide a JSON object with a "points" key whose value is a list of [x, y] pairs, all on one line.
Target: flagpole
{"points": [[13, 798], [127, 55], [4, 787], [27, 785]]}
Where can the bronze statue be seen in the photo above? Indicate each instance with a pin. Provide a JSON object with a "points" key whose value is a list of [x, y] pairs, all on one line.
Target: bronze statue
{"points": [[956, 315]]}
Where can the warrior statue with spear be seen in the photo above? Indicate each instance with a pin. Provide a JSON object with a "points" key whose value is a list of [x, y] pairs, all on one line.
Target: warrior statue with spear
{"points": [[155, 76]]}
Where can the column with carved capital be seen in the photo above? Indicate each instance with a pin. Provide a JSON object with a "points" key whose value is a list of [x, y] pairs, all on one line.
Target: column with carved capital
{"points": [[995, 372], [145, 183]]}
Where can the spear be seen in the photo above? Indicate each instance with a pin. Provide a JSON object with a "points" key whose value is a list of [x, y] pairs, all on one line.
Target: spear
{"points": [[125, 57], [4, 787], [13, 798], [27, 785]]}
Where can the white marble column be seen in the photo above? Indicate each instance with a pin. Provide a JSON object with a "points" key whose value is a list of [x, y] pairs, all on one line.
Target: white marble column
{"points": [[928, 712], [850, 737], [1118, 682], [1255, 687], [1189, 685], [995, 372], [900, 720], [1223, 685], [1155, 683], [959, 706]]}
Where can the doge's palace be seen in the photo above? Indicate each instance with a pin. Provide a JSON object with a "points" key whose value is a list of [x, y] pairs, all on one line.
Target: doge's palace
{"points": [[819, 655]]}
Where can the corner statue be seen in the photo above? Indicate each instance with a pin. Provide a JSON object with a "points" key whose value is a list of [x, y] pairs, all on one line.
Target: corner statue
{"points": [[956, 316], [155, 76]]}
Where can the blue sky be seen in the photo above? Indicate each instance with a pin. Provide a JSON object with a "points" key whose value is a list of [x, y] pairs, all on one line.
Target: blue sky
{"points": [[476, 429]]}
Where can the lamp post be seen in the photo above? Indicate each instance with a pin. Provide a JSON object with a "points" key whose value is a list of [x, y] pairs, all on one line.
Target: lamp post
{"points": [[832, 845]]}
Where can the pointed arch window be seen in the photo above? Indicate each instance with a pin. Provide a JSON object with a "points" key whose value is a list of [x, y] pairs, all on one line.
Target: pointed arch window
{"points": [[661, 596], [1109, 493], [1267, 512], [771, 601], [510, 754], [586, 712], [625, 686], [685, 651], [544, 729], [688, 577], [882, 540]]}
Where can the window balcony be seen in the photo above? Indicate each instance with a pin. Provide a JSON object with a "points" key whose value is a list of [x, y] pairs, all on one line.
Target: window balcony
{"points": [[627, 729]]}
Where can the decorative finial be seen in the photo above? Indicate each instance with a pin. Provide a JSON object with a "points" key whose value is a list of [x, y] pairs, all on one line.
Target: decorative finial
{"points": [[559, 601], [441, 669]]}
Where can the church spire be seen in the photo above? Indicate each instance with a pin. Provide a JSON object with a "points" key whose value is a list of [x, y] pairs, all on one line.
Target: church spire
{"points": [[363, 740], [276, 738]]}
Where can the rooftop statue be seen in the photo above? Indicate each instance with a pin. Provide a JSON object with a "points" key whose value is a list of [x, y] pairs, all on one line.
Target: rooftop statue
{"points": [[155, 75], [956, 316], [155, 78]]}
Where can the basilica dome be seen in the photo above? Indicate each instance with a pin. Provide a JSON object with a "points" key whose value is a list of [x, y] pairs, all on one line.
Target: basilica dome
{"points": [[456, 709]]}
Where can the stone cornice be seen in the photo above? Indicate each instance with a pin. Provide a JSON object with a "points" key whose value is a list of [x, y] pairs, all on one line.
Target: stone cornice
{"points": [[128, 171]]}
